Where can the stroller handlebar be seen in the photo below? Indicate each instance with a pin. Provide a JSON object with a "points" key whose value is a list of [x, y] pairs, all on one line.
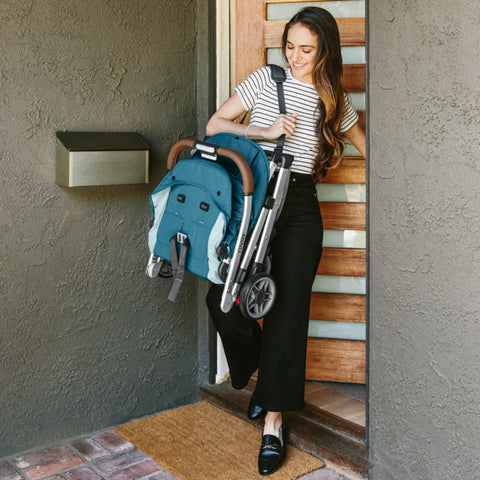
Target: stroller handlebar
{"points": [[239, 159]]}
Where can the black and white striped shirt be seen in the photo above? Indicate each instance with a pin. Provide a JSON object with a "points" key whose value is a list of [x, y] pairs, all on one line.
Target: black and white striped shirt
{"points": [[259, 92]]}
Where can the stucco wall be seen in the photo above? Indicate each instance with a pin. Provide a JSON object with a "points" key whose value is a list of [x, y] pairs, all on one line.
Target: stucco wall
{"points": [[424, 239], [87, 341]]}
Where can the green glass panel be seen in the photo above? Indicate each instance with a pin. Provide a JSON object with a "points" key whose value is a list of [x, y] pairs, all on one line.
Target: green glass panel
{"points": [[341, 193], [337, 330], [275, 56], [344, 239], [342, 9], [339, 284], [358, 100], [353, 55], [351, 151], [349, 55]]}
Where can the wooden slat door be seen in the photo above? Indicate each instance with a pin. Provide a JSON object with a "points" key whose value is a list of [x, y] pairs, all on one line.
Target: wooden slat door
{"points": [[331, 359]]}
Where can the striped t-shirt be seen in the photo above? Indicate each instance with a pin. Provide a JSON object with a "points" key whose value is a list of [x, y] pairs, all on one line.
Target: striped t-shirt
{"points": [[259, 93]]}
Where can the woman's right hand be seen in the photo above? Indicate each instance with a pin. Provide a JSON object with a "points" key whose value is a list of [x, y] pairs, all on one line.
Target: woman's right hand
{"points": [[283, 125], [223, 120]]}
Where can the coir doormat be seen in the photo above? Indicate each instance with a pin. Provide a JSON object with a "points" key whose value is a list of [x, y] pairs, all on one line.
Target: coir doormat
{"points": [[202, 442]]}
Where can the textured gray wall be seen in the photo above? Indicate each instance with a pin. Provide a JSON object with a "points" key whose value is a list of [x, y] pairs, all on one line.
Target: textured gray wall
{"points": [[87, 341], [424, 239]]}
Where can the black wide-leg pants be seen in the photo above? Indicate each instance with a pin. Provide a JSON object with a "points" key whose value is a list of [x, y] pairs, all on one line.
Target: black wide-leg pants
{"points": [[279, 349]]}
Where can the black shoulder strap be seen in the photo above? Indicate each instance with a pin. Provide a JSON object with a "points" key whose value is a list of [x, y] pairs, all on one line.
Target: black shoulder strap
{"points": [[278, 72], [279, 76]]}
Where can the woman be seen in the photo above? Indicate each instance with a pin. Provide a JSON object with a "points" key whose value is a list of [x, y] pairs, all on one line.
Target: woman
{"points": [[319, 115]]}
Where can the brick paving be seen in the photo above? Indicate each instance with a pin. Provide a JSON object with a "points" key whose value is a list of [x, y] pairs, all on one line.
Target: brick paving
{"points": [[324, 474], [101, 456]]}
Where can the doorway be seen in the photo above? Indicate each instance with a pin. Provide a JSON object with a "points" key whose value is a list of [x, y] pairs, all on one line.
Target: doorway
{"points": [[248, 37]]}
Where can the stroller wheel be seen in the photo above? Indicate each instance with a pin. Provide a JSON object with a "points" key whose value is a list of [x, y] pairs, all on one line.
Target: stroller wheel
{"points": [[257, 296], [223, 271], [165, 270], [158, 267]]}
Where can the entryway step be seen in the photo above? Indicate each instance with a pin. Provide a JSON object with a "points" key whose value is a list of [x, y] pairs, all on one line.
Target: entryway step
{"points": [[311, 430]]}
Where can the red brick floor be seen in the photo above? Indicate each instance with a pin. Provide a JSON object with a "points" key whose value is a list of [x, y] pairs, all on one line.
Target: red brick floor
{"points": [[105, 455], [102, 456]]}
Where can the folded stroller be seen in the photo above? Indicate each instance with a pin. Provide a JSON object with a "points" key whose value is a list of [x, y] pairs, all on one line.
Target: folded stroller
{"points": [[214, 214]]}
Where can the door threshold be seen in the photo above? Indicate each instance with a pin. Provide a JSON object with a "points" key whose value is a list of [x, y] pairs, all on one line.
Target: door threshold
{"points": [[313, 430]]}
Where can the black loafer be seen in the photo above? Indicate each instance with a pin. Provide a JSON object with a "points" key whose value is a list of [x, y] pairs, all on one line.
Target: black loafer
{"points": [[272, 452], [254, 411]]}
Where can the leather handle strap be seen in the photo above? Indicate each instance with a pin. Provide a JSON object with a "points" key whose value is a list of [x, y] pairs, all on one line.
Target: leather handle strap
{"points": [[239, 159]]}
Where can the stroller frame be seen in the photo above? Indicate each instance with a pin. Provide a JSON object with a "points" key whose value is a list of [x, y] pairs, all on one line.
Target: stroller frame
{"points": [[250, 282]]}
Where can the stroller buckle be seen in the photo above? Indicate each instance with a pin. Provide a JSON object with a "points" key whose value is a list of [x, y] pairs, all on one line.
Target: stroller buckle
{"points": [[182, 238]]}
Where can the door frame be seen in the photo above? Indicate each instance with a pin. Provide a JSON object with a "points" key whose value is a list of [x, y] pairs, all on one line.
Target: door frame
{"points": [[223, 31], [225, 71]]}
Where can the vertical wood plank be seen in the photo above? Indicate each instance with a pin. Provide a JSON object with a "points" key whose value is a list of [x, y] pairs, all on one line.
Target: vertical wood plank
{"points": [[250, 53]]}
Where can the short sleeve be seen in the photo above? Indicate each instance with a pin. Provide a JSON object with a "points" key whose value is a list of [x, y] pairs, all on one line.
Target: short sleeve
{"points": [[250, 89], [350, 115]]}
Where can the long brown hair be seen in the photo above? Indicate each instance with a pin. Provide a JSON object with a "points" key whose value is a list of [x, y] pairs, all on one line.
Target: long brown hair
{"points": [[327, 79]]}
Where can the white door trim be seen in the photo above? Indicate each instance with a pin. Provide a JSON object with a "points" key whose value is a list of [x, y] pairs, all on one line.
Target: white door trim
{"points": [[223, 93]]}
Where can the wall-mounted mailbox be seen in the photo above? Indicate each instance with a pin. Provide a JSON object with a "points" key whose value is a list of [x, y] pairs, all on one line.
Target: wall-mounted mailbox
{"points": [[99, 158]]}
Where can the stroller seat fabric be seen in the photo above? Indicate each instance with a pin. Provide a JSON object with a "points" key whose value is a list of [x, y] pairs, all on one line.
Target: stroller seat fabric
{"points": [[195, 200]]}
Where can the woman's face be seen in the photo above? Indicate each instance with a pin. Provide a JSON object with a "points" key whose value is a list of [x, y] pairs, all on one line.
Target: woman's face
{"points": [[301, 52]]}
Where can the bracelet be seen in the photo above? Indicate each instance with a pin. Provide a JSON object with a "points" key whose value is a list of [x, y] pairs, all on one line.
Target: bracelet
{"points": [[246, 131]]}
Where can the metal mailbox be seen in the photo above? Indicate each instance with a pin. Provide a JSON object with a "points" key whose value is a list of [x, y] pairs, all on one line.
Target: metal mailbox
{"points": [[110, 158]]}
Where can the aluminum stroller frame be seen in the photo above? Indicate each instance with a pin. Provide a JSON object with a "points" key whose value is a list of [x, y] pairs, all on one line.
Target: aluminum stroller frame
{"points": [[251, 283]]}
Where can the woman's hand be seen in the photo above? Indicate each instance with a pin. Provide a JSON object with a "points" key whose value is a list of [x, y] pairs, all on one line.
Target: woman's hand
{"points": [[223, 120], [283, 125]]}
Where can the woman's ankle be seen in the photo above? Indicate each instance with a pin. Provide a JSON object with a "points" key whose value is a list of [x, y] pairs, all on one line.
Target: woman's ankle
{"points": [[273, 423]]}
